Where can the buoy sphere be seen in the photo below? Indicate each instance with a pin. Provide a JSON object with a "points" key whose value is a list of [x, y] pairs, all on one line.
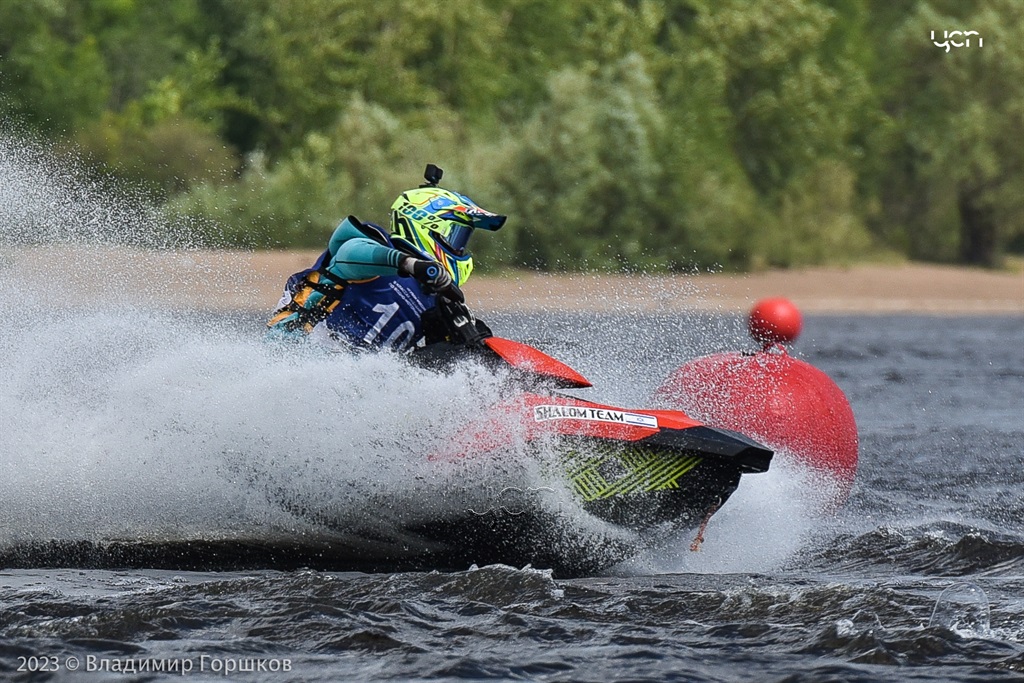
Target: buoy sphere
{"points": [[775, 321], [785, 403]]}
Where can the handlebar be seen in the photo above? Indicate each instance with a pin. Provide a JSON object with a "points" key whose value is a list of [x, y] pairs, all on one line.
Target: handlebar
{"points": [[452, 322]]}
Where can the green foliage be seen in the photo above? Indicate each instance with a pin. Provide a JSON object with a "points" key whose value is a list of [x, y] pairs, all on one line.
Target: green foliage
{"points": [[52, 75], [793, 94], [956, 168], [167, 139], [358, 166], [165, 157], [817, 221], [584, 179], [300, 63], [655, 134], [707, 198], [144, 43]]}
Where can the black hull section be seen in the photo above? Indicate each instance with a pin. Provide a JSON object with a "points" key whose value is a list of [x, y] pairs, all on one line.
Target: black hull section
{"points": [[557, 541], [708, 487], [533, 535]]}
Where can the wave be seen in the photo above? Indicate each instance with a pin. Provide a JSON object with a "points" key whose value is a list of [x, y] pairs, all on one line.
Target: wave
{"points": [[935, 548]]}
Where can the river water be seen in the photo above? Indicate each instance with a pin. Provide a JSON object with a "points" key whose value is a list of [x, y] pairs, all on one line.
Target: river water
{"points": [[116, 425], [120, 421]]}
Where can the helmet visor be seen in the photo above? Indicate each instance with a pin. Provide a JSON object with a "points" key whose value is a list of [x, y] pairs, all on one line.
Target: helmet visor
{"points": [[459, 232], [458, 237]]}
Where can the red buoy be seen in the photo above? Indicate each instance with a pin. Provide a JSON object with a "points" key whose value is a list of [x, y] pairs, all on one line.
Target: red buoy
{"points": [[783, 402], [775, 321]]}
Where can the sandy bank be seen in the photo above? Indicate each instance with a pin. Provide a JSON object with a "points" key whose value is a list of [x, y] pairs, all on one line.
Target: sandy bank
{"points": [[225, 280]]}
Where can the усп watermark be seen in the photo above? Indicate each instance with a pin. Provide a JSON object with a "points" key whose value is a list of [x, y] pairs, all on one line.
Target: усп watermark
{"points": [[511, 500], [948, 36]]}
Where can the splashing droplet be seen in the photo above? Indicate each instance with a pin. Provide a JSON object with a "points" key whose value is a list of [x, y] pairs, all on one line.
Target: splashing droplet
{"points": [[963, 609]]}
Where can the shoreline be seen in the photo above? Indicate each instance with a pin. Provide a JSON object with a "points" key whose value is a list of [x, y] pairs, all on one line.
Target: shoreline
{"points": [[253, 281], [864, 289]]}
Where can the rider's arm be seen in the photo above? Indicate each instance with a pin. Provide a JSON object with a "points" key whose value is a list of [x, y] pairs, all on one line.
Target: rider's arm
{"points": [[357, 257]]}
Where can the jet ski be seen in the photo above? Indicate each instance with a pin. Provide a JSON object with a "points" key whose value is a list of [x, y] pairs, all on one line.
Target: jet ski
{"points": [[582, 485], [640, 475]]}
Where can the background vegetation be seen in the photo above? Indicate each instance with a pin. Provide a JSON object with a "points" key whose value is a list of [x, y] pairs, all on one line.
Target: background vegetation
{"points": [[646, 134]]}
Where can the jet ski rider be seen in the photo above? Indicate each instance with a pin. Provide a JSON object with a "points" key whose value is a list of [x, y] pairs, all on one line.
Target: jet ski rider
{"points": [[370, 289]]}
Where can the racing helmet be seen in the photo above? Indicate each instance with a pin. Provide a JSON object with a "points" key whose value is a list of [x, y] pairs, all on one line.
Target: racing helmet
{"points": [[439, 222]]}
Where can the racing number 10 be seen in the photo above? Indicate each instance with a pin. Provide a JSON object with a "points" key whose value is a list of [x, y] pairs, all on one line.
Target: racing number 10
{"points": [[401, 334]]}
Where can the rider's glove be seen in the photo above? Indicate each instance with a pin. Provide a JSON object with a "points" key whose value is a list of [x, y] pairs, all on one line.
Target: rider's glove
{"points": [[432, 276]]}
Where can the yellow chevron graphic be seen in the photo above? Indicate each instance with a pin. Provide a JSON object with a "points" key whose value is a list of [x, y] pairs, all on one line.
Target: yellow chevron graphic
{"points": [[645, 470]]}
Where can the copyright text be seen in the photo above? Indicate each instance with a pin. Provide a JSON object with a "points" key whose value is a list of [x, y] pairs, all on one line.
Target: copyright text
{"points": [[131, 665]]}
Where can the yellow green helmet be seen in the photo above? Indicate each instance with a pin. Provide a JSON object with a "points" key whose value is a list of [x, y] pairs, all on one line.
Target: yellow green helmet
{"points": [[439, 223]]}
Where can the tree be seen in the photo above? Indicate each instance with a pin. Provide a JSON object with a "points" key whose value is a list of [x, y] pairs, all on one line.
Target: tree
{"points": [[958, 156], [766, 103], [585, 176], [301, 63], [52, 74], [795, 94], [357, 166]]}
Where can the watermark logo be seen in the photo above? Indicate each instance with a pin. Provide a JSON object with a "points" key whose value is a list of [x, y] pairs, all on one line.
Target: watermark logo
{"points": [[949, 39], [511, 500]]}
